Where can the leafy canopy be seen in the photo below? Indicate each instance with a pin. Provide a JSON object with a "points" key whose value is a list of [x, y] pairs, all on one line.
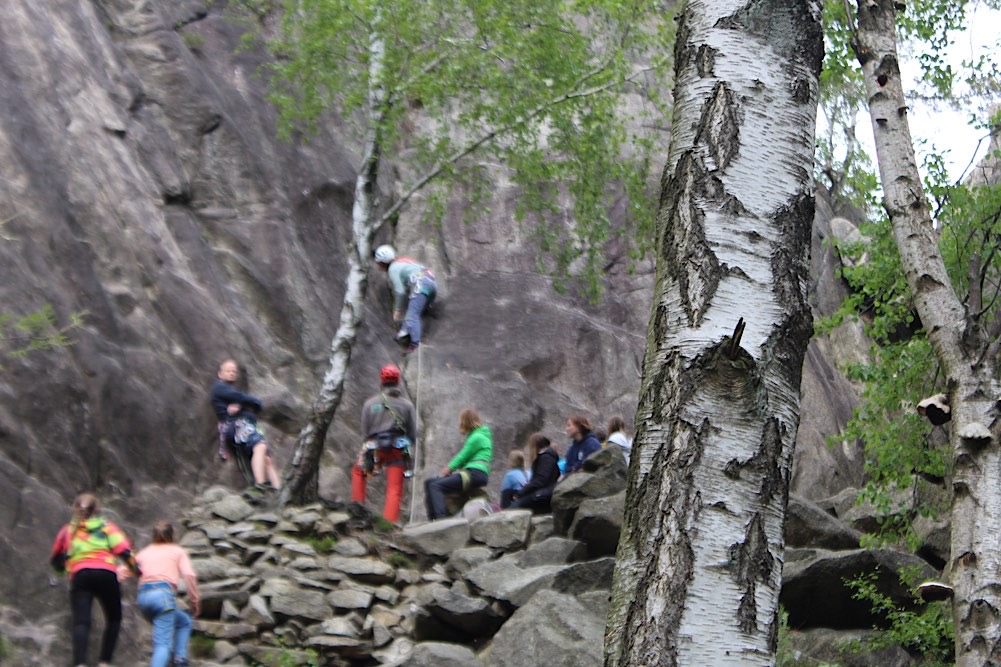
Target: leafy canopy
{"points": [[539, 87], [903, 368]]}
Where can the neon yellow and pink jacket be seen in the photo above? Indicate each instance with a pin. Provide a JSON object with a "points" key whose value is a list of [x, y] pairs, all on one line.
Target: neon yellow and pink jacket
{"points": [[93, 544]]}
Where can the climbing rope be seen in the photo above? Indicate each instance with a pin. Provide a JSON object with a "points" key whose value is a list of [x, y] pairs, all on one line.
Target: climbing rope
{"points": [[417, 448]]}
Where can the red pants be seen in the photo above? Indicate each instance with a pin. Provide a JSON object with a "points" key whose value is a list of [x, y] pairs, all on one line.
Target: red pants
{"points": [[392, 463]]}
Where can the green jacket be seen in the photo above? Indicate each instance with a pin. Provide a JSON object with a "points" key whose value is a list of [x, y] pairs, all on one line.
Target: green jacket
{"points": [[477, 452]]}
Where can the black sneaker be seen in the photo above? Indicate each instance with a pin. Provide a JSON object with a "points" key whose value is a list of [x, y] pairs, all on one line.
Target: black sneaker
{"points": [[402, 338]]}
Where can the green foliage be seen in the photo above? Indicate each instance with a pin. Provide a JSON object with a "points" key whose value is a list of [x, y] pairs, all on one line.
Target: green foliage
{"points": [[399, 560], [323, 545], [194, 40], [926, 631], [201, 646], [286, 658], [536, 86], [903, 367], [23, 334], [382, 525]]}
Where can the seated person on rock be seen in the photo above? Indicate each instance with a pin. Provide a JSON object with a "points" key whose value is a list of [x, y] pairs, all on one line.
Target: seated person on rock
{"points": [[467, 470], [538, 492], [617, 435], [583, 442], [238, 431], [514, 479]]}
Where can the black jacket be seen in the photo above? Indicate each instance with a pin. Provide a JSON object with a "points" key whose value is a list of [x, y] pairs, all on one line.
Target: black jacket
{"points": [[545, 472], [223, 394]]}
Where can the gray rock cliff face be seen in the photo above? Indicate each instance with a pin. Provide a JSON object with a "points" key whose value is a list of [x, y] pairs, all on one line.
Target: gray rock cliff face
{"points": [[142, 183]]}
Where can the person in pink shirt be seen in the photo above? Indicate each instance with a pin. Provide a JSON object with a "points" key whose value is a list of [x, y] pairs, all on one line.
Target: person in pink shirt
{"points": [[163, 565], [89, 548]]}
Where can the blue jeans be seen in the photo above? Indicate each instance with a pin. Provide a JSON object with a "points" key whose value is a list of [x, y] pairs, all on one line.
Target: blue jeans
{"points": [[171, 626], [422, 293]]}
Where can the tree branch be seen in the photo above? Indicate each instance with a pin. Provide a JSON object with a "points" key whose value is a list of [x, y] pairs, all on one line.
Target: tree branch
{"points": [[487, 137]]}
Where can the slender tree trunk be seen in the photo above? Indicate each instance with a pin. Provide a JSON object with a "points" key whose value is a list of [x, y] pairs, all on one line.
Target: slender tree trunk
{"points": [[699, 563], [302, 475], [959, 342]]}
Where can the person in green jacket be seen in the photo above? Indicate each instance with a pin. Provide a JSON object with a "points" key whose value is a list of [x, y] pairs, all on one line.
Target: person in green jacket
{"points": [[467, 470]]}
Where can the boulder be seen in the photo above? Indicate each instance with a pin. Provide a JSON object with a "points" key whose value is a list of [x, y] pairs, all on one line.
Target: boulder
{"points": [[506, 581], [463, 560], [598, 522], [824, 646], [232, 508], [366, 570], [438, 654], [586, 576], [347, 600], [809, 525], [437, 538], [350, 547], [815, 593], [603, 475], [552, 629], [553, 551], [286, 600], [465, 617], [502, 530]]}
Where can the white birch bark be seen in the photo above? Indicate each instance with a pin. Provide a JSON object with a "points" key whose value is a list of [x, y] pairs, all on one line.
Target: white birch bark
{"points": [[699, 564], [301, 476], [960, 345]]}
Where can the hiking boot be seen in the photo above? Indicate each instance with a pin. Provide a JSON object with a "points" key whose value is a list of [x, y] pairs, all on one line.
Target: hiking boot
{"points": [[254, 494], [402, 338]]}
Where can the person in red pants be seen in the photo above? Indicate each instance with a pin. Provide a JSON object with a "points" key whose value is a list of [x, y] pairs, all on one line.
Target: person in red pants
{"points": [[389, 423]]}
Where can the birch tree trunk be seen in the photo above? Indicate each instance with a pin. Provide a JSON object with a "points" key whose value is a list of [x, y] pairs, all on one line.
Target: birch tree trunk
{"points": [[699, 563], [301, 483], [960, 343]]}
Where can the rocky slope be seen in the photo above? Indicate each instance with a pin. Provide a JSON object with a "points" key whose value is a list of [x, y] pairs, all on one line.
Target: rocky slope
{"points": [[143, 185], [327, 585]]}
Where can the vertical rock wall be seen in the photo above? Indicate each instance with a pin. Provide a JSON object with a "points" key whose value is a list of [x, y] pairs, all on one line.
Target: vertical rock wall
{"points": [[141, 183]]}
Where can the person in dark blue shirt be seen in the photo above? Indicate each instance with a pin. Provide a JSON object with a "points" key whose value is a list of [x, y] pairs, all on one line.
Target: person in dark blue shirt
{"points": [[238, 431], [583, 442]]}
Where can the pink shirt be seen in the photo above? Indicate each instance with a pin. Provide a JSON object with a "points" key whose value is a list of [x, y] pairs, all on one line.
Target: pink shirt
{"points": [[164, 562]]}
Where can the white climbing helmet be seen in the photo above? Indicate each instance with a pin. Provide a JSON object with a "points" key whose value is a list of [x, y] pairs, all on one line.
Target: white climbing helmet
{"points": [[385, 254]]}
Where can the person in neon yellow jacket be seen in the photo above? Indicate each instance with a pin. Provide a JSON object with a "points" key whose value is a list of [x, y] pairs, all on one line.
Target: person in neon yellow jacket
{"points": [[89, 548], [467, 470]]}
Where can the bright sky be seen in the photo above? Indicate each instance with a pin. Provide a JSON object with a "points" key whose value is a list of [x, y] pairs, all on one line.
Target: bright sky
{"points": [[945, 128]]}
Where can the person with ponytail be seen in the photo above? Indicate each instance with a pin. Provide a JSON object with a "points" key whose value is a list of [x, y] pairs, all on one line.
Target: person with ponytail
{"points": [[164, 564], [89, 548]]}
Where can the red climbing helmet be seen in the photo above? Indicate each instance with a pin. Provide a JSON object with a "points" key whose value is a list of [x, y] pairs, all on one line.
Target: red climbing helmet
{"points": [[390, 374]]}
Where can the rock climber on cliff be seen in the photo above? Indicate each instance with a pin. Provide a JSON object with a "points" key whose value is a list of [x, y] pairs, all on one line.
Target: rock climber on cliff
{"points": [[238, 430], [414, 289]]}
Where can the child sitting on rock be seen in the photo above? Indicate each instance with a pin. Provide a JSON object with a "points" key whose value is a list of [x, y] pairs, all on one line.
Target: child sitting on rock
{"points": [[514, 479]]}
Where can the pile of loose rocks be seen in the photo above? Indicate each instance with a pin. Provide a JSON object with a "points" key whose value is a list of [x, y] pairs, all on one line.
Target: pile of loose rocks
{"points": [[316, 584], [321, 585]]}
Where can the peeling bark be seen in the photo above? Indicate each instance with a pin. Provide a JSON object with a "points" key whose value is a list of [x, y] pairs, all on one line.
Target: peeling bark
{"points": [[699, 562], [301, 483], [959, 341]]}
